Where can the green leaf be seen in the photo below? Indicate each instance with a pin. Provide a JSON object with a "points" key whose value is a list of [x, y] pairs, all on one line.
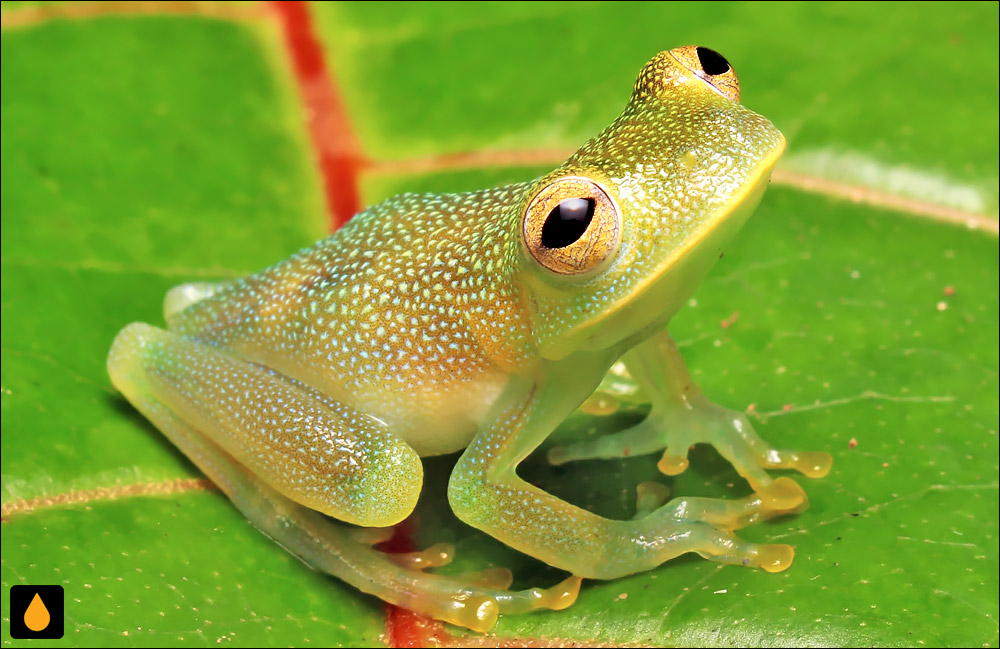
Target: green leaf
{"points": [[142, 152]]}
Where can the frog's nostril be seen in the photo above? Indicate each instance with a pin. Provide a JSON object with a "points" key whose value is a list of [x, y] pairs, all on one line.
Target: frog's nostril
{"points": [[712, 62]]}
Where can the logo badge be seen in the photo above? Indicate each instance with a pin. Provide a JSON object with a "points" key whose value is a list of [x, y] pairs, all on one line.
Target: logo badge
{"points": [[36, 612]]}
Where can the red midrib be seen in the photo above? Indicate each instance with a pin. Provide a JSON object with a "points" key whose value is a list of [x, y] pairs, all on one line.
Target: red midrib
{"points": [[340, 159], [338, 152]]}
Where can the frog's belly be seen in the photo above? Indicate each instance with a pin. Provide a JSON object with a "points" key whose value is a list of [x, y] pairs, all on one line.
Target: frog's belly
{"points": [[434, 419]]}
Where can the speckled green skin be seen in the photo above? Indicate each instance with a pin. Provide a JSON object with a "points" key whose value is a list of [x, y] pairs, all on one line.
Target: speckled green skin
{"points": [[424, 326]]}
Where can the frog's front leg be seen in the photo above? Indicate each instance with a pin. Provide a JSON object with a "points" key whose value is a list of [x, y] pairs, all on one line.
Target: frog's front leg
{"points": [[682, 416], [273, 445], [486, 492]]}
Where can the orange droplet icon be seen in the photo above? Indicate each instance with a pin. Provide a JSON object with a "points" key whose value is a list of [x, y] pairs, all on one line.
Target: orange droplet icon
{"points": [[36, 617]]}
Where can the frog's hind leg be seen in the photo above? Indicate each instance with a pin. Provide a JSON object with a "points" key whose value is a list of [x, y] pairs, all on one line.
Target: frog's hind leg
{"points": [[314, 450], [243, 425]]}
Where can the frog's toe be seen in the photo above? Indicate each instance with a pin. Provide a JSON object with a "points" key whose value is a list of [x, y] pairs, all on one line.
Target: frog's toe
{"points": [[812, 464], [554, 598], [782, 496], [724, 547], [476, 612], [774, 557], [494, 578], [560, 596], [672, 464], [563, 595], [439, 554]]}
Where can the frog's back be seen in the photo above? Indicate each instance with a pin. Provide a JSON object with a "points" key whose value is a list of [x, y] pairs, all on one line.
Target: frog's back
{"points": [[408, 313]]}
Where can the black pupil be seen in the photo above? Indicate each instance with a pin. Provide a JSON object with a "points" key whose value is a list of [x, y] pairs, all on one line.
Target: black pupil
{"points": [[712, 62], [567, 222]]}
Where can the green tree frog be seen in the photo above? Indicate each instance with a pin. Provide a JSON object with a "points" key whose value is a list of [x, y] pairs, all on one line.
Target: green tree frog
{"points": [[435, 323]]}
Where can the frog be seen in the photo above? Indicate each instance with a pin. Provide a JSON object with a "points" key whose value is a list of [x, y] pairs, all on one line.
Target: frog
{"points": [[476, 323]]}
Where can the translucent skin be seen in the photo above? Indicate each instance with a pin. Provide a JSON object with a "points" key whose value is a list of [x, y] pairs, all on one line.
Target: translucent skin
{"points": [[426, 326]]}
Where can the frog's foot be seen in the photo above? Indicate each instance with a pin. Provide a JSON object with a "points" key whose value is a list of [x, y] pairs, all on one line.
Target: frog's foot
{"points": [[554, 598], [472, 600], [728, 515], [726, 548], [724, 514], [705, 526], [729, 431]]}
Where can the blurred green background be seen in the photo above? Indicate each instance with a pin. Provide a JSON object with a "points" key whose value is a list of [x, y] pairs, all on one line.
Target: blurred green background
{"points": [[143, 151]]}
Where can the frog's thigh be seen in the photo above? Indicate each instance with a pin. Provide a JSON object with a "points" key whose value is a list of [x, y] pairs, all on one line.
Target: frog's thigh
{"points": [[309, 448]]}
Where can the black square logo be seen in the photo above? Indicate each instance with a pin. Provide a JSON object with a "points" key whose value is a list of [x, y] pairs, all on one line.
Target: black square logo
{"points": [[36, 612]]}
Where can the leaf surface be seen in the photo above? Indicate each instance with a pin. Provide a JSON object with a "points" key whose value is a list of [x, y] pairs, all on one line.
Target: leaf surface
{"points": [[145, 151]]}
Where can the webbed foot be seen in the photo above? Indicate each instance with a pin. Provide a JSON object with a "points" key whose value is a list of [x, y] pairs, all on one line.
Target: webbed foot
{"points": [[674, 432]]}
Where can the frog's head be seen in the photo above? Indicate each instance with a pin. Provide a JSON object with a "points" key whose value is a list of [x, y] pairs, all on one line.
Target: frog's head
{"points": [[615, 240]]}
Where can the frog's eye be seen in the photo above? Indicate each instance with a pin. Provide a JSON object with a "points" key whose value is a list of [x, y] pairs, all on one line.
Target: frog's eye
{"points": [[712, 62], [571, 226], [712, 67]]}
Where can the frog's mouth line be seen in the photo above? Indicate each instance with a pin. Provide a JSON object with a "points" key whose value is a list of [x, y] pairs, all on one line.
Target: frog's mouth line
{"points": [[597, 334]]}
